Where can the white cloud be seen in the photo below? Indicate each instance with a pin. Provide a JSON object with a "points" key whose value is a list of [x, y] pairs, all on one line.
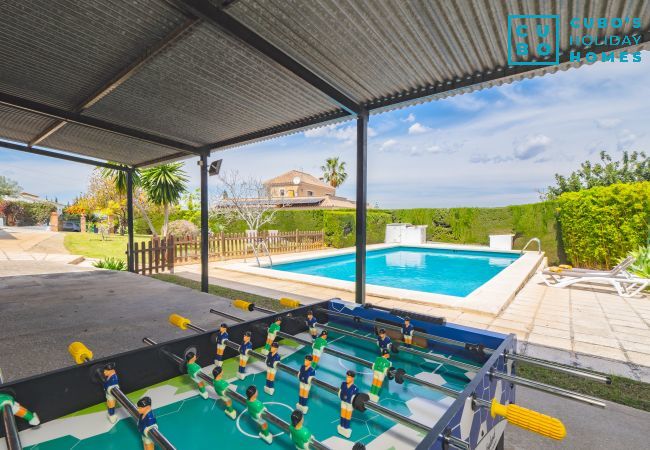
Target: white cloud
{"points": [[531, 146], [387, 145], [468, 102], [608, 123], [410, 118], [347, 133], [625, 139], [418, 128]]}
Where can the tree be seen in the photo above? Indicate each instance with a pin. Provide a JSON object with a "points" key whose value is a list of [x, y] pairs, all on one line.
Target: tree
{"points": [[244, 199], [334, 171], [164, 185], [119, 178], [631, 168], [9, 187]]}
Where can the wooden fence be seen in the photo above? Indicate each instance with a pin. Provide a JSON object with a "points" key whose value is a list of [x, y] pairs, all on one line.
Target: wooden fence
{"points": [[161, 254]]}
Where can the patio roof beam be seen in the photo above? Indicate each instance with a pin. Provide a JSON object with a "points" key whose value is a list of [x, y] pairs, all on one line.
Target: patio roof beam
{"points": [[37, 151], [75, 117], [162, 159], [121, 77], [217, 16]]}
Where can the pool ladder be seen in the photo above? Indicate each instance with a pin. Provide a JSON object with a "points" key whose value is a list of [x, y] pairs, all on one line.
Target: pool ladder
{"points": [[255, 246], [539, 245]]}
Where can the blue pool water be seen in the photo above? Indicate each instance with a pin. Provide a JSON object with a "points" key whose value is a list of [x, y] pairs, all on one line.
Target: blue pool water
{"points": [[439, 271]]}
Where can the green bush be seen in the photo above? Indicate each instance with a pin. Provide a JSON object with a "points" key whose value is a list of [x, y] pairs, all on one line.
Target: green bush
{"points": [[601, 225], [340, 227], [110, 264], [641, 266], [26, 213]]}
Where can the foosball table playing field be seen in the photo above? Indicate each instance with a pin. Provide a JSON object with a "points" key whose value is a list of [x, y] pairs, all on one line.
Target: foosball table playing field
{"points": [[331, 375]]}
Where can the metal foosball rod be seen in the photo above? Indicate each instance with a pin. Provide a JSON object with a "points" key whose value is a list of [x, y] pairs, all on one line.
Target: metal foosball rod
{"points": [[514, 414], [234, 394], [81, 354], [469, 346], [12, 438], [564, 393], [553, 390], [403, 420]]}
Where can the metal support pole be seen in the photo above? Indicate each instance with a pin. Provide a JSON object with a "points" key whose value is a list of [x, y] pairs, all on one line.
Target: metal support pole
{"points": [[129, 217], [203, 163], [362, 200]]}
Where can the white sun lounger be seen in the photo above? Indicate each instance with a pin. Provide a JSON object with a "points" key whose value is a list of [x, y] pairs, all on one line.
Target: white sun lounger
{"points": [[626, 284]]}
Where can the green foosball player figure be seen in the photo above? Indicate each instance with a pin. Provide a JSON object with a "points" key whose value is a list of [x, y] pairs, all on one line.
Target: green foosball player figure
{"points": [[18, 410], [272, 332], [379, 370], [193, 370], [221, 386], [318, 347], [300, 435], [256, 408]]}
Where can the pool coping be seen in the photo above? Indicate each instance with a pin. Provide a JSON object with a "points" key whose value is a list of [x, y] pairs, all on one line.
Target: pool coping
{"points": [[490, 298]]}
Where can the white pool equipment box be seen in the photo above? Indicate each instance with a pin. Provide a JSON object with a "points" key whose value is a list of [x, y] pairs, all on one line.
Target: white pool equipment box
{"points": [[501, 241], [405, 233]]}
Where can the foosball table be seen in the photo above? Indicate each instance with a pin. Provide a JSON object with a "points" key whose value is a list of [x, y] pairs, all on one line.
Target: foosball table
{"points": [[331, 375]]}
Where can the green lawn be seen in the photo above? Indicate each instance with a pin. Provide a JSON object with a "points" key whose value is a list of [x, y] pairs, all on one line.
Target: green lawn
{"points": [[92, 245], [622, 390]]}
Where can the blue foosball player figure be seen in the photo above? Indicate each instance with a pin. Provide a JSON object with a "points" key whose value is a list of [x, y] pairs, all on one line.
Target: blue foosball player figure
{"points": [[407, 332], [311, 324], [383, 340], [256, 408], [305, 376], [146, 422], [222, 337], [347, 392], [110, 382], [193, 370], [272, 361], [300, 435], [245, 347]]}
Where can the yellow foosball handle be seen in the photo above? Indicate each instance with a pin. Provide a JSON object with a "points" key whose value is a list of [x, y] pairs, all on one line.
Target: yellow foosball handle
{"points": [[529, 420], [179, 321], [289, 302], [243, 304], [79, 352]]}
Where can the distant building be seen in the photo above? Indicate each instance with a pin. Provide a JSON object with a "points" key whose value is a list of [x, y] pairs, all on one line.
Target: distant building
{"points": [[295, 189]]}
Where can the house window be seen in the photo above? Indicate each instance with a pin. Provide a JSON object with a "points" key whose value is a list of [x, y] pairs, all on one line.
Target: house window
{"points": [[281, 192], [310, 193]]}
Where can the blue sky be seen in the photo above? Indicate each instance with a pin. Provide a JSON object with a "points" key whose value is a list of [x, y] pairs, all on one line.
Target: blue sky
{"points": [[494, 147]]}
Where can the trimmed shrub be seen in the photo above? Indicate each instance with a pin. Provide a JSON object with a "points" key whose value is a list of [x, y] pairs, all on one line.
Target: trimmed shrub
{"points": [[340, 227], [182, 228], [26, 213], [602, 224]]}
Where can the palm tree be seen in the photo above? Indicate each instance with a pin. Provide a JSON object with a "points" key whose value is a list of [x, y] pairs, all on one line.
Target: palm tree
{"points": [[165, 185], [119, 178], [334, 171]]}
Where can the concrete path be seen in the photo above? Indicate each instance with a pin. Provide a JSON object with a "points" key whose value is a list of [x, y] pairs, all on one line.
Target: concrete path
{"points": [[40, 315], [32, 250], [588, 428]]}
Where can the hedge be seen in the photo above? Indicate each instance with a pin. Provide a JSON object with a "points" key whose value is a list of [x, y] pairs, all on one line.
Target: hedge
{"points": [[27, 213], [601, 225], [340, 227]]}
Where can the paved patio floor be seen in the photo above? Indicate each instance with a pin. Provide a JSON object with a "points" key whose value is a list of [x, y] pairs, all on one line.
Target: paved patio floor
{"points": [[590, 326]]}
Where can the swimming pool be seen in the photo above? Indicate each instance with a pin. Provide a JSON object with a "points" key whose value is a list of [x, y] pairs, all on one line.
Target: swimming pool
{"points": [[433, 270]]}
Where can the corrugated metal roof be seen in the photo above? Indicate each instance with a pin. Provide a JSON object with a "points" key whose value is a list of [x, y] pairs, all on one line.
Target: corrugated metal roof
{"points": [[210, 89]]}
